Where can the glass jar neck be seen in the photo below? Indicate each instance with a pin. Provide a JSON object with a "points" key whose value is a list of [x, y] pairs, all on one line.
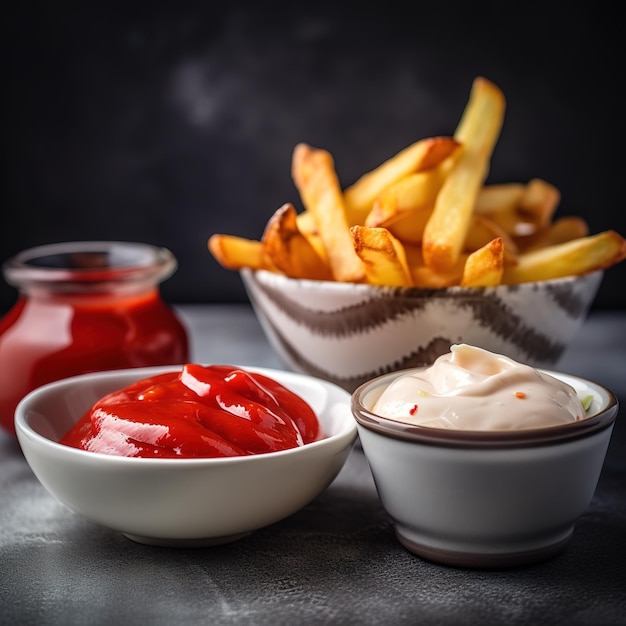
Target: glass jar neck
{"points": [[89, 269]]}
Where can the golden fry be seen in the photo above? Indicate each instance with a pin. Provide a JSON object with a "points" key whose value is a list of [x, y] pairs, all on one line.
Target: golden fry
{"points": [[561, 230], [421, 155], [383, 256], [499, 198], [578, 256], [539, 202], [313, 172], [410, 228], [478, 132], [484, 267], [308, 227], [482, 230], [290, 251], [235, 253], [409, 195], [521, 210], [427, 278], [405, 206]]}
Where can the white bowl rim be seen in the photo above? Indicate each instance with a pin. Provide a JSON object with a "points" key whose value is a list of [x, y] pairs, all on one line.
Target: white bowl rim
{"points": [[600, 419], [332, 285], [23, 428]]}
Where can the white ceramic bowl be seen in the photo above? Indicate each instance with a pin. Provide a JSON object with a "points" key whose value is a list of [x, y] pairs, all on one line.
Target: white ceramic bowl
{"points": [[485, 499], [180, 502], [349, 333]]}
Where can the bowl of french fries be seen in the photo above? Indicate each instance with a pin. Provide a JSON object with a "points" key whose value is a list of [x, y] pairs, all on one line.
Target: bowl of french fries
{"points": [[417, 254]]}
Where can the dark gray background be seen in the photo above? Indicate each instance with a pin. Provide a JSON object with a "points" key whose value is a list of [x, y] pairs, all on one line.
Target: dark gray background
{"points": [[167, 122]]}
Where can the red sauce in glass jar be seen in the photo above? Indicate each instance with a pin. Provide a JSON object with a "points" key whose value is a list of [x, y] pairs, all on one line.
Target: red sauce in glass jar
{"points": [[85, 307], [201, 411]]}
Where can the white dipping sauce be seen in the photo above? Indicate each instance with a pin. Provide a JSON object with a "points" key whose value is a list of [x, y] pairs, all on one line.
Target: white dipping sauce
{"points": [[470, 388]]}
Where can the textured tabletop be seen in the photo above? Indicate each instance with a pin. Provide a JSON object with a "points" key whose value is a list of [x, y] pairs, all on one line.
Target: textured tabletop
{"points": [[334, 562]]}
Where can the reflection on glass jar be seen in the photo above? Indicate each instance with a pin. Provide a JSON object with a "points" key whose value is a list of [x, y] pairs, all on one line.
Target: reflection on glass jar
{"points": [[85, 307]]}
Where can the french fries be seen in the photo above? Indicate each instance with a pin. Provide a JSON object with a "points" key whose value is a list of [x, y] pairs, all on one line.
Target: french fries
{"points": [[423, 155], [427, 278], [314, 175], [484, 266], [383, 256], [425, 217], [500, 199], [478, 132], [561, 230], [236, 253], [578, 256], [405, 206], [290, 251]]}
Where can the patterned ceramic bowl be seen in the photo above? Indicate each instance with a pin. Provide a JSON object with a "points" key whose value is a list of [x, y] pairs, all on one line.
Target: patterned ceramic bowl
{"points": [[349, 333]]}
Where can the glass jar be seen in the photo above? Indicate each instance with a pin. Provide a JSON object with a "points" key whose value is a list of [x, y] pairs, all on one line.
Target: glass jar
{"points": [[84, 307]]}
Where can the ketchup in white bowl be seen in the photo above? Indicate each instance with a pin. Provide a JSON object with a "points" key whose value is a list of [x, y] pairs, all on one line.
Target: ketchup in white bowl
{"points": [[201, 411]]}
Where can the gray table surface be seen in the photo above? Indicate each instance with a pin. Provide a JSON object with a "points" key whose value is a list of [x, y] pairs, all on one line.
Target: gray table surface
{"points": [[334, 562]]}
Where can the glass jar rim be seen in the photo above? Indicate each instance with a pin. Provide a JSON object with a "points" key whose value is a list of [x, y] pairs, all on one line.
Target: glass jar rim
{"points": [[89, 263]]}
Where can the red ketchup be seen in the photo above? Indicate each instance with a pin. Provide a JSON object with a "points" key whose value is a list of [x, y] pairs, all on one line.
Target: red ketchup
{"points": [[85, 307], [198, 412]]}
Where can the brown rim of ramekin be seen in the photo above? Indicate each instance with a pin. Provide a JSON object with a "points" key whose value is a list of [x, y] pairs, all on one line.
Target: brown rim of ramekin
{"points": [[476, 439]]}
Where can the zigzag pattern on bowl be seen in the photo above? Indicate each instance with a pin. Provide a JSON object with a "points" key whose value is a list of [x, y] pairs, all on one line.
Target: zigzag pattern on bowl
{"points": [[318, 328]]}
